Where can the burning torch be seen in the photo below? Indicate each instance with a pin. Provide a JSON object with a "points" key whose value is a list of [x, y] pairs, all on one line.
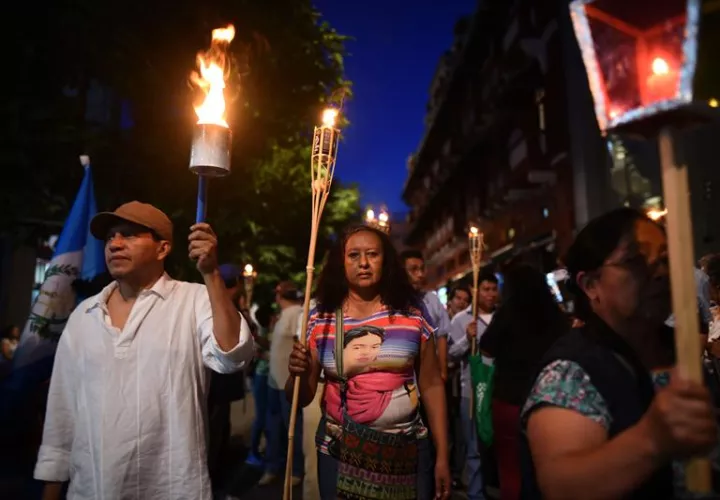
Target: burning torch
{"points": [[249, 275], [322, 168], [212, 138], [475, 246]]}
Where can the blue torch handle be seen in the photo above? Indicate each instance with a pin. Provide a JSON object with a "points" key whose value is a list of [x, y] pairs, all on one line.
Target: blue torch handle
{"points": [[201, 213]]}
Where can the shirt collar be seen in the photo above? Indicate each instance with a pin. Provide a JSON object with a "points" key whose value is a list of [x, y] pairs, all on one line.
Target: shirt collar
{"points": [[161, 288]]}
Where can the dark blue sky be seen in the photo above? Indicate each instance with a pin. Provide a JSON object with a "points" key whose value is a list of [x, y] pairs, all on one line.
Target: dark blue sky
{"points": [[391, 62]]}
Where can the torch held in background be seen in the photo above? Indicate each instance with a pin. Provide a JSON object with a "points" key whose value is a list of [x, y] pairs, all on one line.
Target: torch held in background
{"points": [[212, 138], [475, 246], [322, 169], [249, 275]]}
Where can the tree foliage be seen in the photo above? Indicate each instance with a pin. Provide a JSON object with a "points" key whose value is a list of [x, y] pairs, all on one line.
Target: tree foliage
{"points": [[111, 79]]}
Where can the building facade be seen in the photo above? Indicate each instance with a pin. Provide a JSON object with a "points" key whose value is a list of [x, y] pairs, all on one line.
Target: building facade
{"points": [[497, 150]]}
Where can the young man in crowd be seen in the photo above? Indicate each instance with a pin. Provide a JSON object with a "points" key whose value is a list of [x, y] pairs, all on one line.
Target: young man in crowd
{"points": [[462, 331], [458, 300], [414, 263]]}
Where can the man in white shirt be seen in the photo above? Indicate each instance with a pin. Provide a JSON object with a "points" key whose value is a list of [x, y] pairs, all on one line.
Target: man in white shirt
{"points": [[126, 410], [283, 338], [462, 331]]}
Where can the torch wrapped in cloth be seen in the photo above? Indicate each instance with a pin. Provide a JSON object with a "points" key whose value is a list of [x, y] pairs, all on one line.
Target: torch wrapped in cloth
{"points": [[212, 138]]}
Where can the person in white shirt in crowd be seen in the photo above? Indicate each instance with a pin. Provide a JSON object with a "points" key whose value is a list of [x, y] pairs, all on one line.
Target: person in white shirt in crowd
{"points": [[462, 331], [126, 410], [414, 264], [278, 421], [458, 300]]}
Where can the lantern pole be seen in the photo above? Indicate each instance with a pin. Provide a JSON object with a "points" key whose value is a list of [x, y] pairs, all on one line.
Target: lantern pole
{"points": [[322, 169], [678, 223]]}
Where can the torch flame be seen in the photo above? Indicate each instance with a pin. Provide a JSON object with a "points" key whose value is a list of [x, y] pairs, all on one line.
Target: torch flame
{"points": [[370, 215], [213, 66], [383, 217], [249, 271], [473, 232], [329, 116]]}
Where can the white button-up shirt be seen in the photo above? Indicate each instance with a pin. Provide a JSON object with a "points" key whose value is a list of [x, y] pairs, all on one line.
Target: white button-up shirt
{"points": [[126, 411], [459, 345]]}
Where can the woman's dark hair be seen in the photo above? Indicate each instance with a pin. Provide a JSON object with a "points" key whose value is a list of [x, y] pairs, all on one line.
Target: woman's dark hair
{"points": [[527, 291], [6, 332], [528, 322], [395, 289], [593, 245]]}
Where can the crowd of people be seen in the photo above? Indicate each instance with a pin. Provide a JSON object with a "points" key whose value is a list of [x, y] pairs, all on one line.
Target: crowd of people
{"points": [[585, 402]]}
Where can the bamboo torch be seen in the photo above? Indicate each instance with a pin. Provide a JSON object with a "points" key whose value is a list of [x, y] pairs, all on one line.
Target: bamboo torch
{"points": [[322, 169], [475, 246]]}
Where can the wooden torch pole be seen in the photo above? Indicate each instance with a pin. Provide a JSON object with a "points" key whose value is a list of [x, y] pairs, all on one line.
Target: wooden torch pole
{"points": [[475, 243], [676, 193], [322, 168]]}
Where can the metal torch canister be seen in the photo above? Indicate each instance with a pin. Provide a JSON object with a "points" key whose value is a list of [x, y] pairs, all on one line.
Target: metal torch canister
{"points": [[210, 153]]}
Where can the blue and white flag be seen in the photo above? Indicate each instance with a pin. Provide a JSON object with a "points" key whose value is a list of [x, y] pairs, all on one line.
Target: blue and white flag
{"points": [[78, 255]]}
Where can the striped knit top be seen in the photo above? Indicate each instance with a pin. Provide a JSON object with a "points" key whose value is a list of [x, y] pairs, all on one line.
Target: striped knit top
{"points": [[379, 355]]}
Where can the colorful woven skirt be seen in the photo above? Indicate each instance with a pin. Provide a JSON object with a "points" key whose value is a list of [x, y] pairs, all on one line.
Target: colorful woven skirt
{"points": [[375, 465]]}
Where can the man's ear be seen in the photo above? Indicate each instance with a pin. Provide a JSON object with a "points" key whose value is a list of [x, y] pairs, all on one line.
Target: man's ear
{"points": [[164, 249]]}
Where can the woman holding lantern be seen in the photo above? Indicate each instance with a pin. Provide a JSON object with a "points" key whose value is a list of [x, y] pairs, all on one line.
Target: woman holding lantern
{"points": [[603, 420], [370, 342]]}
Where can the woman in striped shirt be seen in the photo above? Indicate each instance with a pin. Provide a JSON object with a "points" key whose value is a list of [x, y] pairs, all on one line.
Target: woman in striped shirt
{"points": [[387, 353]]}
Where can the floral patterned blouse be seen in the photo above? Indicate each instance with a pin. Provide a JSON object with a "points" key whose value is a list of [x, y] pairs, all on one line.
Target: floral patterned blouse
{"points": [[565, 384]]}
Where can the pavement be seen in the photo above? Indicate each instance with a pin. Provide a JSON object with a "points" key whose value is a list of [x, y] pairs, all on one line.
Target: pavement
{"points": [[236, 479]]}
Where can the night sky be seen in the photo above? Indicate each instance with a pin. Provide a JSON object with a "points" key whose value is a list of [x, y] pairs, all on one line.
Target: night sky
{"points": [[391, 62]]}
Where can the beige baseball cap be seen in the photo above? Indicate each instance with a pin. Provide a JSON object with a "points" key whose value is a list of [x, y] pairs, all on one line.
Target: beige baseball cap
{"points": [[136, 212]]}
